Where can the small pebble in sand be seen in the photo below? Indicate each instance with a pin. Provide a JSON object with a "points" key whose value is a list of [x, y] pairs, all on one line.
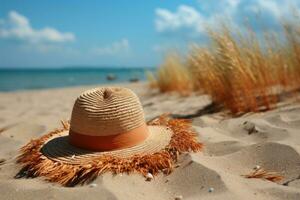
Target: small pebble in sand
{"points": [[149, 177], [250, 127], [93, 185], [211, 189], [257, 167], [180, 197]]}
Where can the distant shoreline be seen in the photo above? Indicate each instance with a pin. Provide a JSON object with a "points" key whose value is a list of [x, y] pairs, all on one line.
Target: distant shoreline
{"points": [[74, 68], [32, 79]]}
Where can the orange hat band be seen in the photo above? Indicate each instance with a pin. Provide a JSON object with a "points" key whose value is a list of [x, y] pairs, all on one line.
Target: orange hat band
{"points": [[111, 142]]}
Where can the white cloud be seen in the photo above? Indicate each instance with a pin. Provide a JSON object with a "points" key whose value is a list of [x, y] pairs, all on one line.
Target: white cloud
{"points": [[189, 18], [114, 48], [184, 17], [194, 19], [17, 26]]}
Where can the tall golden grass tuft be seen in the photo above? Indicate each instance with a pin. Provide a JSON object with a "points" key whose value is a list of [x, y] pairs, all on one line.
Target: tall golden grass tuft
{"points": [[243, 71], [172, 75]]}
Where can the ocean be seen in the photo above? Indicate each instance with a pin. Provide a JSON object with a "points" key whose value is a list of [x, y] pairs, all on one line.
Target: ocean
{"points": [[26, 79]]}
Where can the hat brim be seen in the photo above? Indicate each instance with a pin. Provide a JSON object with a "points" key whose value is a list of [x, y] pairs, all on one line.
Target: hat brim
{"points": [[59, 149], [52, 157]]}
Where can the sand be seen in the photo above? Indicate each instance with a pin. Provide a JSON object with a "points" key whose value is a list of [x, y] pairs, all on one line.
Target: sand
{"points": [[233, 147]]}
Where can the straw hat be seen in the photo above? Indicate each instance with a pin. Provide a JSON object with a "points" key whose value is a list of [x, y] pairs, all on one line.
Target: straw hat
{"points": [[107, 132]]}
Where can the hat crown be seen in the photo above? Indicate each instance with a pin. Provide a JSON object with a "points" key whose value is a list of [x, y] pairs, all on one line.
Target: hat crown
{"points": [[106, 111]]}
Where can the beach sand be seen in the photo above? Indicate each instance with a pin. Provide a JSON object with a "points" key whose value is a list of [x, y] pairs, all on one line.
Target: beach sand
{"points": [[233, 147]]}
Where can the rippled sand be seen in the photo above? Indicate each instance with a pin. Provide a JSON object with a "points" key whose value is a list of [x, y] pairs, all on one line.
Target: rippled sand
{"points": [[233, 146]]}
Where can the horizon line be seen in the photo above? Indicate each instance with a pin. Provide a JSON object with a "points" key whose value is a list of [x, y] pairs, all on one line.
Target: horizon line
{"points": [[75, 67]]}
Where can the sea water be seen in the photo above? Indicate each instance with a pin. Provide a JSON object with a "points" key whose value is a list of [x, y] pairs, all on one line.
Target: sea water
{"points": [[25, 79]]}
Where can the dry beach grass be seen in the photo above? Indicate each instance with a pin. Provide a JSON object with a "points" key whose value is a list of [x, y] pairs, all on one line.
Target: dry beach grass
{"points": [[265, 175], [173, 76], [240, 70]]}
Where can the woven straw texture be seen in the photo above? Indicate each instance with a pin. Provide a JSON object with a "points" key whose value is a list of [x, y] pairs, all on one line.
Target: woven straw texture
{"points": [[106, 111]]}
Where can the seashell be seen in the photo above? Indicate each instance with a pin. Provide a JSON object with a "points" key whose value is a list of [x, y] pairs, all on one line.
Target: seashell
{"points": [[149, 177]]}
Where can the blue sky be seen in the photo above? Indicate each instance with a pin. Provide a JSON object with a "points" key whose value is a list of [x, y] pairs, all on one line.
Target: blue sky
{"points": [[52, 33]]}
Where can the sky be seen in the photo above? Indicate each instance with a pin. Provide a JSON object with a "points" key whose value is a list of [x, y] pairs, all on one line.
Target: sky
{"points": [[135, 33]]}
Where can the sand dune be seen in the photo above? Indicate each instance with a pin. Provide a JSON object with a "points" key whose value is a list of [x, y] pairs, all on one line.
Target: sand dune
{"points": [[233, 147]]}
